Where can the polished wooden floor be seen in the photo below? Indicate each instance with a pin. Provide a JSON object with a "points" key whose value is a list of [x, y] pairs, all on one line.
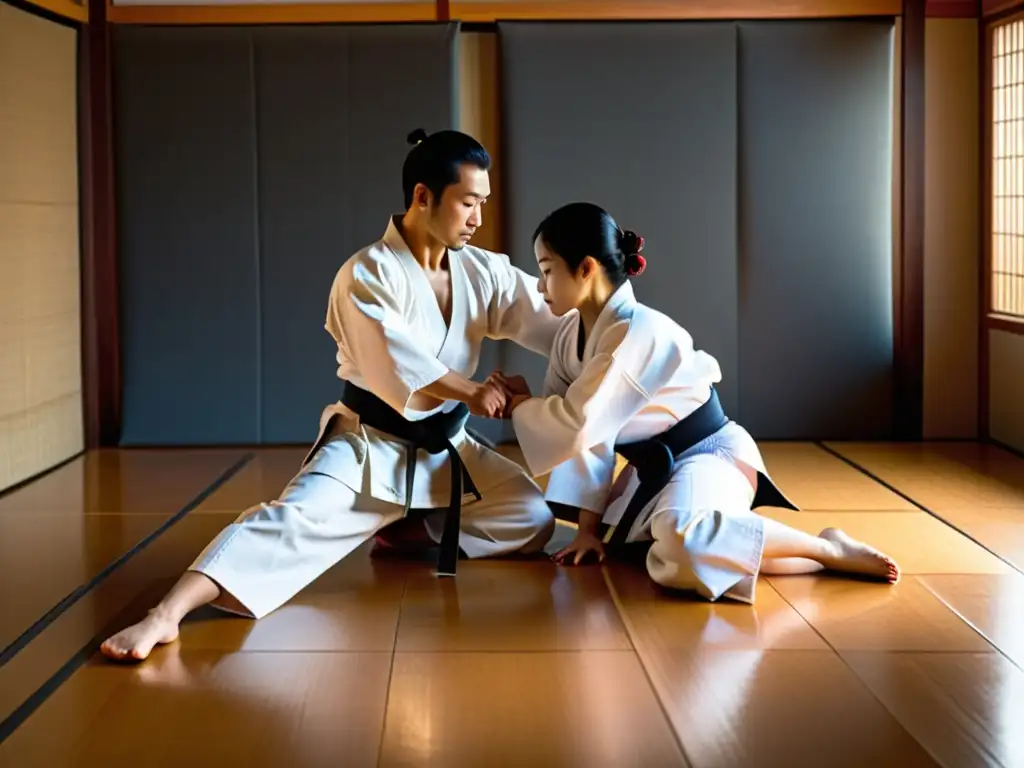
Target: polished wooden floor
{"points": [[520, 663]]}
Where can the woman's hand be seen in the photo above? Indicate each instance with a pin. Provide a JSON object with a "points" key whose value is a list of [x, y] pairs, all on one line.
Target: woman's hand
{"points": [[513, 385], [583, 545]]}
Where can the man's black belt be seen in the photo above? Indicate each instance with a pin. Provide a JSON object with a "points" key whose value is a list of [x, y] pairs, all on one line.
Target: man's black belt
{"points": [[434, 435], [655, 461]]}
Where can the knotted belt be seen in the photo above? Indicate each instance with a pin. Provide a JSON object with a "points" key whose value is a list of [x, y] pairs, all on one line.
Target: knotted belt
{"points": [[434, 435], [655, 460]]}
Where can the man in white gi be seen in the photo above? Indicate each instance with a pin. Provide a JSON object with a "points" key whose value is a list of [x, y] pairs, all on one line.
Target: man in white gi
{"points": [[408, 314]]}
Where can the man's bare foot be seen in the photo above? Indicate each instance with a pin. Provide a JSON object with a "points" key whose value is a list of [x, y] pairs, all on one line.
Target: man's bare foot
{"points": [[853, 556], [406, 538], [385, 548], [137, 641]]}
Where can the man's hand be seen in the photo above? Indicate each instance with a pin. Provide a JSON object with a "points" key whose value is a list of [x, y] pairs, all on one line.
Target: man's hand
{"points": [[513, 385], [488, 400], [515, 388]]}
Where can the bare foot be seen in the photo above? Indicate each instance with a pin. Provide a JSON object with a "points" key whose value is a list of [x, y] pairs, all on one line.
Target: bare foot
{"points": [[853, 556], [384, 549], [136, 642]]}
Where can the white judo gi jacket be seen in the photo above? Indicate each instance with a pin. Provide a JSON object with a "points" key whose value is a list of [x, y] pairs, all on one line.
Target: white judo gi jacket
{"points": [[392, 341]]}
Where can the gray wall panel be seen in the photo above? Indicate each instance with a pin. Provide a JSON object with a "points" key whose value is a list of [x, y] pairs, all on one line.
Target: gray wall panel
{"points": [[185, 154], [304, 105], [259, 164], [331, 147], [816, 322], [641, 119]]}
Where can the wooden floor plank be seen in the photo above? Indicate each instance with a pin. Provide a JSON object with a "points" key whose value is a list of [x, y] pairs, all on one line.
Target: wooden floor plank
{"points": [[816, 480], [125, 482], [864, 616], [77, 549], [121, 598], [917, 541], [263, 479], [85, 517], [352, 607], [457, 709], [510, 606], [187, 707], [777, 708], [944, 475], [992, 604], [976, 488], [964, 708], [678, 623]]}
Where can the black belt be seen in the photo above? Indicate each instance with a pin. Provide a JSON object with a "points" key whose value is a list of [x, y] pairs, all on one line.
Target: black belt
{"points": [[655, 461], [434, 435]]}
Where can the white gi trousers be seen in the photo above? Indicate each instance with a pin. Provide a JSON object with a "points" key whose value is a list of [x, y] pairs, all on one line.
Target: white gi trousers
{"points": [[706, 538], [273, 550]]}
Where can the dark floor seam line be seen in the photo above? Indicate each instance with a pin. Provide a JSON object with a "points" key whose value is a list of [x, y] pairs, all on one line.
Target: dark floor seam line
{"points": [[631, 635], [22, 484], [995, 648], [391, 673], [917, 504], [79, 592], [34, 701], [852, 670], [1004, 447]]}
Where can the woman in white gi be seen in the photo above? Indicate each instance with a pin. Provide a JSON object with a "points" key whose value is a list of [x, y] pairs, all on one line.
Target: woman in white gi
{"points": [[621, 373]]}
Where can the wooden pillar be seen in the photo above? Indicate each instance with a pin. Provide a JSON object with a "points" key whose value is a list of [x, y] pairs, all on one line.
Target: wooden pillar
{"points": [[100, 303], [909, 347]]}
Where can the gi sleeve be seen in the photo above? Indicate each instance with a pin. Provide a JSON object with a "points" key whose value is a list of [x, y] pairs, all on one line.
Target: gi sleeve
{"points": [[365, 314], [585, 480], [556, 381], [517, 310], [554, 429]]}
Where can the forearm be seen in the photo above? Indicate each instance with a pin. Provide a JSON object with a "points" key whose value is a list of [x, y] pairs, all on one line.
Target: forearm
{"points": [[588, 522], [451, 386]]}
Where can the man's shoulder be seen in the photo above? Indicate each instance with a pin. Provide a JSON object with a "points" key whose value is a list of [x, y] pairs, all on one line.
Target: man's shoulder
{"points": [[374, 260]]}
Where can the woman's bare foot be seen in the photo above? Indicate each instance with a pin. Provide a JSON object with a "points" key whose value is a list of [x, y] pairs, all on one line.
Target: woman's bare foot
{"points": [[853, 556], [137, 641]]}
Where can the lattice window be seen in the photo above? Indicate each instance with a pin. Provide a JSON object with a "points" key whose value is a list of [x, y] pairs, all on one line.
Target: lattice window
{"points": [[1008, 170]]}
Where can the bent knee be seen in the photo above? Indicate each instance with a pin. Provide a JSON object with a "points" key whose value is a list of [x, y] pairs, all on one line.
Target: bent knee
{"points": [[540, 522], [542, 518]]}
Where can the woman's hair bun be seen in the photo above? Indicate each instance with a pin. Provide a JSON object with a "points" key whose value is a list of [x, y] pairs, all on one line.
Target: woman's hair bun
{"points": [[416, 136], [631, 244]]}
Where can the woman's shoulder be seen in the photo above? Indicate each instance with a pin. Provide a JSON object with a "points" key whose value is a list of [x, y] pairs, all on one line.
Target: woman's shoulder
{"points": [[647, 334]]}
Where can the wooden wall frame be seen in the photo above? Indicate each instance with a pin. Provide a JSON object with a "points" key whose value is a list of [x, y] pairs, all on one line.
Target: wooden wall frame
{"points": [[993, 15], [61, 11], [908, 395], [549, 10], [279, 13], [486, 11], [101, 357]]}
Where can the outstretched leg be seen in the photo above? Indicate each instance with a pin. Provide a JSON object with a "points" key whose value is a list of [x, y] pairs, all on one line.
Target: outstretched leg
{"points": [[787, 551], [707, 539], [192, 591], [264, 558]]}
